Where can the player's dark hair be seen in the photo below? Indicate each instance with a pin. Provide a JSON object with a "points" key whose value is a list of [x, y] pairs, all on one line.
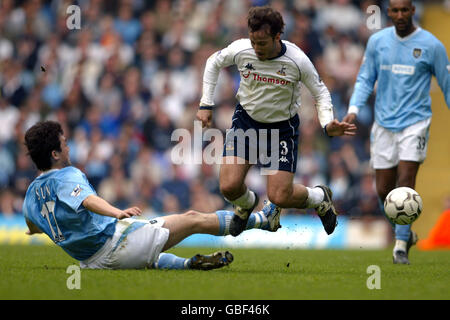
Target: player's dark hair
{"points": [[410, 2], [41, 139], [265, 17]]}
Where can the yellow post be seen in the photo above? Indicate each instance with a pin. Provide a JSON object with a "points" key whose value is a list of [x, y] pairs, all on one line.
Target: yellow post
{"points": [[433, 180]]}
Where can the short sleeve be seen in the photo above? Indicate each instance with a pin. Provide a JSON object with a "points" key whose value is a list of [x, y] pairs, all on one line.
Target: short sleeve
{"points": [[73, 188]]}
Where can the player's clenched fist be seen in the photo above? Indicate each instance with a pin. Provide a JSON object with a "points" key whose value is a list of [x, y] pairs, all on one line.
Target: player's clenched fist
{"points": [[205, 116]]}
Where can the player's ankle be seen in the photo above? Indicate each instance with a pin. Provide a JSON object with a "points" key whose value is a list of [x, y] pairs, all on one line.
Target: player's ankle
{"points": [[315, 197], [247, 200], [400, 245]]}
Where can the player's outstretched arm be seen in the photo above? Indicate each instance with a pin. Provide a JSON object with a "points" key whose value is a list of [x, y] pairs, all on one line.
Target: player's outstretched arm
{"points": [[441, 69], [100, 206], [336, 128], [218, 60]]}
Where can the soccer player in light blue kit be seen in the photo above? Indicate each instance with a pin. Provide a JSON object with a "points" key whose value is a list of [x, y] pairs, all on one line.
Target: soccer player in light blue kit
{"points": [[62, 204], [402, 59]]}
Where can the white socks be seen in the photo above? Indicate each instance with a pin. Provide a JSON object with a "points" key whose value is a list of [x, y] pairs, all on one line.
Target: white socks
{"points": [[246, 201], [315, 197], [400, 245]]}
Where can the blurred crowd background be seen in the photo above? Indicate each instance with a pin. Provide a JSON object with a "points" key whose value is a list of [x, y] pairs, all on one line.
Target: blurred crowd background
{"points": [[132, 74]]}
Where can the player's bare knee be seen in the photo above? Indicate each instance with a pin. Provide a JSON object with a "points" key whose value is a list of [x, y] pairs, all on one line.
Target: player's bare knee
{"points": [[191, 218], [196, 220], [191, 213], [230, 190]]}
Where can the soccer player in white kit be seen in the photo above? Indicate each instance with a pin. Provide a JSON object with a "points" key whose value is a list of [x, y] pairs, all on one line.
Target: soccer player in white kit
{"points": [[62, 204], [402, 59], [271, 73]]}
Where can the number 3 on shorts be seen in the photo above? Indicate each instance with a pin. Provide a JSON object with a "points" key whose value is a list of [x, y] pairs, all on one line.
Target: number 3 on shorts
{"points": [[422, 142], [284, 147]]}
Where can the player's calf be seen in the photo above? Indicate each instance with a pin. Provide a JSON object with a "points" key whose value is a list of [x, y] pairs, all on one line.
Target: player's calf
{"points": [[281, 197]]}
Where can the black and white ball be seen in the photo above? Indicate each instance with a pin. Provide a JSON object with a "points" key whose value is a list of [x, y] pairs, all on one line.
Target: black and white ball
{"points": [[403, 205]]}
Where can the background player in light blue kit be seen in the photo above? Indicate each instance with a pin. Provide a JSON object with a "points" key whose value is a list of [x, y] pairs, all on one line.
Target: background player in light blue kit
{"points": [[402, 59], [62, 204]]}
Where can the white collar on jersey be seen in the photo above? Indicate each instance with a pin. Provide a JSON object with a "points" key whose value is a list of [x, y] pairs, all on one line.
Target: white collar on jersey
{"points": [[409, 36], [48, 171]]}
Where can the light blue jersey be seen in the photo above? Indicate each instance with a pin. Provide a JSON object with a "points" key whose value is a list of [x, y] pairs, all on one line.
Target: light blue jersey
{"points": [[403, 68], [54, 204]]}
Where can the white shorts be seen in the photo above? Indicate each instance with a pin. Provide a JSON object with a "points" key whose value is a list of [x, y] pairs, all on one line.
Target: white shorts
{"points": [[387, 148], [136, 244]]}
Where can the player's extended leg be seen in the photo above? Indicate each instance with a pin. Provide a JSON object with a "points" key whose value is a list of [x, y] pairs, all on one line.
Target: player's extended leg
{"points": [[387, 180], [284, 193], [406, 177], [191, 222], [232, 185], [232, 176], [183, 225], [405, 237], [407, 173]]}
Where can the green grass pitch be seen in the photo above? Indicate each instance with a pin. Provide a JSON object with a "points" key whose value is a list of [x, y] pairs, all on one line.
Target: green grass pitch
{"points": [[39, 272]]}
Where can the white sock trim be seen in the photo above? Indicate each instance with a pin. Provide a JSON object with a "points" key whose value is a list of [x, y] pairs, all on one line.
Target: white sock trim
{"points": [[315, 197], [400, 245], [245, 201]]}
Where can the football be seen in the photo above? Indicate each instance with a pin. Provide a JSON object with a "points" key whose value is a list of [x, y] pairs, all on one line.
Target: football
{"points": [[403, 205]]}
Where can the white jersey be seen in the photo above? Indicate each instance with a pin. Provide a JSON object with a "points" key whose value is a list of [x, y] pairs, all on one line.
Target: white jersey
{"points": [[269, 90]]}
